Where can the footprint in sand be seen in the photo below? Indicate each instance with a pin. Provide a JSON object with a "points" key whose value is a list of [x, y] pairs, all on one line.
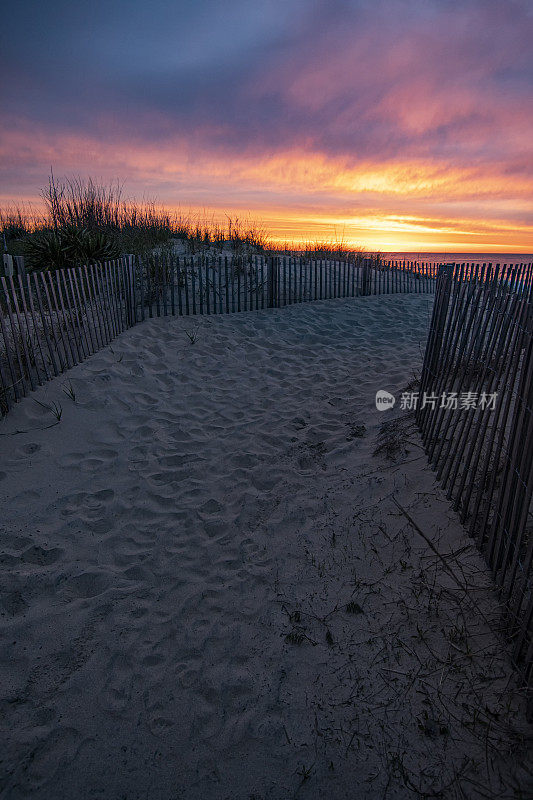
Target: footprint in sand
{"points": [[30, 449], [245, 460], [211, 506], [41, 556], [27, 494], [116, 693], [84, 585], [160, 726], [12, 603], [51, 755], [86, 503], [137, 573]]}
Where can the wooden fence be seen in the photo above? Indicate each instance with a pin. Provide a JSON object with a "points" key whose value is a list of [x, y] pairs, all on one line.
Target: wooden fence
{"points": [[50, 321], [200, 285], [480, 346], [475, 415]]}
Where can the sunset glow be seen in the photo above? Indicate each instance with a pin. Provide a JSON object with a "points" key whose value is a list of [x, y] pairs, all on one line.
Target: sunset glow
{"points": [[412, 132]]}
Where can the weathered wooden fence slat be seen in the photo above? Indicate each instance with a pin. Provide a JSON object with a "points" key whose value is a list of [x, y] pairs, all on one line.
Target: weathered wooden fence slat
{"points": [[42, 314], [481, 339], [480, 345], [51, 321]]}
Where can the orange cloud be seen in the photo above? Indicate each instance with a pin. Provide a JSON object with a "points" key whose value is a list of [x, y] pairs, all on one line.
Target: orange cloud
{"points": [[403, 204]]}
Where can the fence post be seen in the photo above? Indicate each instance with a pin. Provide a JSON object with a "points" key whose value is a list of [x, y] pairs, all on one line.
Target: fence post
{"points": [[8, 265], [437, 326], [366, 278], [130, 291], [19, 263], [273, 282]]}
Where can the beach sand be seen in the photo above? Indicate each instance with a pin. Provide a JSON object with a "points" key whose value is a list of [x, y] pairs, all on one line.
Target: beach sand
{"points": [[208, 590]]}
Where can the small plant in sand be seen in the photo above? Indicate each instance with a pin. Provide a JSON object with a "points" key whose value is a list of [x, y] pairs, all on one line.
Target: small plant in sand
{"points": [[354, 608], [413, 385], [392, 439], [54, 408], [192, 334], [69, 246], [304, 772], [119, 358], [295, 637], [68, 389]]}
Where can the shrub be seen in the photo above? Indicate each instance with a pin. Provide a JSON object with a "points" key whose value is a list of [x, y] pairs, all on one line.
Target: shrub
{"points": [[68, 247]]}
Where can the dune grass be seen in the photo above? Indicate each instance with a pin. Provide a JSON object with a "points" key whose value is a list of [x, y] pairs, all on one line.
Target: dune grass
{"points": [[84, 221]]}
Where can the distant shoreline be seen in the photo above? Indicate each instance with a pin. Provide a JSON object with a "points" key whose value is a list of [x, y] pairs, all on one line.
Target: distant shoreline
{"points": [[477, 258]]}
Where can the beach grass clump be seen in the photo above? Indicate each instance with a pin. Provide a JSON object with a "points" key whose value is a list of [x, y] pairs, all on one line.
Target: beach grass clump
{"points": [[14, 222], [335, 249], [392, 439], [67, 246], [354, 608], [84, 221]]}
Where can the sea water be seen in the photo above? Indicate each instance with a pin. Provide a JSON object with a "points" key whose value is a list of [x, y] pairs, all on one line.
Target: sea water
{"points": [[470, 258]]}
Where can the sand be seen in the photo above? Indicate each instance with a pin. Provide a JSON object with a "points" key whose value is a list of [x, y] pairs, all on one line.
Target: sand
{"points": [[209, 591]]}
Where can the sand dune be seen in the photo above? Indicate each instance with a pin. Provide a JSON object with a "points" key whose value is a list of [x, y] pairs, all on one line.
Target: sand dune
{"points": [[208, 590]]}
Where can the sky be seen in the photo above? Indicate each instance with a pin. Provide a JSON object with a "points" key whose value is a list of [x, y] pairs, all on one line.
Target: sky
{"points": [[390, 124]]}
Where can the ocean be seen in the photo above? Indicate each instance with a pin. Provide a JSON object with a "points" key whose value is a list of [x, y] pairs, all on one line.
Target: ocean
{"points": [[471, 258]]}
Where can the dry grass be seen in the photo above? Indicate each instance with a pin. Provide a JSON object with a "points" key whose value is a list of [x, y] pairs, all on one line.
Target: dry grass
{"points": [[139, 227], [128, 226]]}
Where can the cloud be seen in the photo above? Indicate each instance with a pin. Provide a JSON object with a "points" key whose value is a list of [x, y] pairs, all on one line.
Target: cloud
{"points": [[347, 100]]}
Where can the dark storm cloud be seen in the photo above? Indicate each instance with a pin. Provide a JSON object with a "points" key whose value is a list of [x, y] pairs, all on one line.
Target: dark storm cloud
{"points": [[375, 104], [338, 77]]}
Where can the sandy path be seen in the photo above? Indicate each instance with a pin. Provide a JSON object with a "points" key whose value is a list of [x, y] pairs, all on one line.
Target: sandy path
{"points": [[178, 568]]}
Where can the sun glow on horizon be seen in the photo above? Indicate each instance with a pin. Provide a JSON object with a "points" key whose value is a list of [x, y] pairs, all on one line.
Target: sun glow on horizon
{"points": [[384, 232], [412, 134], [298, 197]]}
